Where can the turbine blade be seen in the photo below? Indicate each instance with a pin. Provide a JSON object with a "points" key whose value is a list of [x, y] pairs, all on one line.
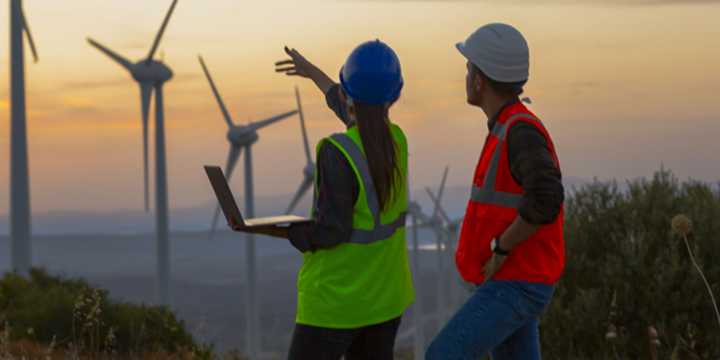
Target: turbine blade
{"points": [[302, 124], [217, 95], [121, 60], [436, 209], [432, 197], [437, 205], [261, 124], [214, 223], [23, 19], [145, 97], [442, 185], [304, 187], [232, 160], [160, 32]]}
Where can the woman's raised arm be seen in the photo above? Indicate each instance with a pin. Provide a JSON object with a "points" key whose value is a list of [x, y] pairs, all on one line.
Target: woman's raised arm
{"points": [[299, 66]]}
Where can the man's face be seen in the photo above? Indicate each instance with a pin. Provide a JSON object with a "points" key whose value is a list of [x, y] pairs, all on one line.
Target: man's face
{"points": [[471, 85]]}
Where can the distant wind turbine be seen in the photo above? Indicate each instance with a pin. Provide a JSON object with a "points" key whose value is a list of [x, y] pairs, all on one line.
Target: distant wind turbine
{"points": [[309, 170], [436, 223], [20, 230], [452, 228], [150, 73], [244, 136], [414, 210]]}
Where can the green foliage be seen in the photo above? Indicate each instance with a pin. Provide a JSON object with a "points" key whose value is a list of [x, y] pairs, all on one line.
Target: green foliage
{"points": [[71, 312], [626, 270]]}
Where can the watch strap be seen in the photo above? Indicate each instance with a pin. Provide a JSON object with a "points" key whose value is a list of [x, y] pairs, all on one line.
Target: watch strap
{"points": [[496, 247]]}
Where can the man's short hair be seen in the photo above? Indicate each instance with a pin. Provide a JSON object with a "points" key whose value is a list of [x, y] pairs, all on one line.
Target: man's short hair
{"points": [[501, 88]]}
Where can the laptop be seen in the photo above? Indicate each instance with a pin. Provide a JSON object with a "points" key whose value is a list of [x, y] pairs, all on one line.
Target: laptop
{"points": [[230, 208]]}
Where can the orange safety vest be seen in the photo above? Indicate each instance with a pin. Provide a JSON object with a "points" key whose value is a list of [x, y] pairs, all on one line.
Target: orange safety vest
{"points": [[493, 207]]}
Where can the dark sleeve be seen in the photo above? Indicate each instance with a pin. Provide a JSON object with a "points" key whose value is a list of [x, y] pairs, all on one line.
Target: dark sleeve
{"points": [[532, 167], [337, 105], [338, 189]]}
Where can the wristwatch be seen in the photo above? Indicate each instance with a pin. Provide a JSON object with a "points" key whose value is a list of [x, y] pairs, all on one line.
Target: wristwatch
{"points": [[495, 246]]}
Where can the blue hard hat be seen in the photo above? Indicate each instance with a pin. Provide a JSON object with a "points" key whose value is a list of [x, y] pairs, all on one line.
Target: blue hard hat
{"points": [[371, 73]]}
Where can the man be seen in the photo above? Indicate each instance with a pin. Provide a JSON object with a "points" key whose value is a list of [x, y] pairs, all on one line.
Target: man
{"points": [[511, 243]]}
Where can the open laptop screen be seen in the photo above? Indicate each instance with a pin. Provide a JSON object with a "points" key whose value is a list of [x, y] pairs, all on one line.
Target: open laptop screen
{"points": [[224, 195]]}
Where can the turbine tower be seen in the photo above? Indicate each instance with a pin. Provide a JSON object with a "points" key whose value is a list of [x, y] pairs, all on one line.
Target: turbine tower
{"points": [[243, 136], [151, 75], [19, 174], [309, 170]]}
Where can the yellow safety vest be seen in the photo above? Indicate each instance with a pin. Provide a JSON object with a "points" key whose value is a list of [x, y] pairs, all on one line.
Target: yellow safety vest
{"points": [[366, 280]]}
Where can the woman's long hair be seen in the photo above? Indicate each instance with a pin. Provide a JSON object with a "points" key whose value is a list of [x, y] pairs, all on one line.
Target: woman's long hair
{"points": [[381, 150]]}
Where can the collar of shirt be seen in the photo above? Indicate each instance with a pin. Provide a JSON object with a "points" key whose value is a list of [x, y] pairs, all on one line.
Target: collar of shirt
{"points": [[491, 122]]}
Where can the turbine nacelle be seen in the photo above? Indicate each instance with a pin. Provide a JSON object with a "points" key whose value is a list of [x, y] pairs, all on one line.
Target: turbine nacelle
{"points": [[156, 72], [309, 171], [242, 136], [413, 207]]}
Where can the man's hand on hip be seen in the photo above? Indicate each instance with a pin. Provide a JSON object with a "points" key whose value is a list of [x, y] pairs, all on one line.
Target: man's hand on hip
{"points": [[493, 265], [516, 233]]}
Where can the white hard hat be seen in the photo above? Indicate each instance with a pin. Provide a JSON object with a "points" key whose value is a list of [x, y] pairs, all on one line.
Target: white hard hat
{"points": [[500, 51]]}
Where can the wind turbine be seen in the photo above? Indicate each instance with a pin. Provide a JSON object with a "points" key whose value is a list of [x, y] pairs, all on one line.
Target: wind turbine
{"points": [[414, 210], [19, 174], [452, 228], [243, 136], [150, 73], [309, 170], [435, 223]]}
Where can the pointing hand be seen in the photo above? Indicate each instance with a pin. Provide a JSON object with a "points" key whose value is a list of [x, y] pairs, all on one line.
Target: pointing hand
{"points": [[299, 65]]}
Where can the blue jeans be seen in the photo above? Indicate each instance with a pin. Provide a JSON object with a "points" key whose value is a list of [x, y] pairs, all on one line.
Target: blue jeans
{"points": [[500, 318]]}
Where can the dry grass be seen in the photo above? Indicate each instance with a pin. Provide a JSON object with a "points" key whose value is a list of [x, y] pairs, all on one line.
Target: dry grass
{"points": [[27, 350]]}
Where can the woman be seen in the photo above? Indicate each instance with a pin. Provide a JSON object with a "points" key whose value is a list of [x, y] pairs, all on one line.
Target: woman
{"points": [[355, 280]]}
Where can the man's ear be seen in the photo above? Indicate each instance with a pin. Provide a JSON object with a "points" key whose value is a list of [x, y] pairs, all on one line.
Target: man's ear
{"points": [[479, 83]]}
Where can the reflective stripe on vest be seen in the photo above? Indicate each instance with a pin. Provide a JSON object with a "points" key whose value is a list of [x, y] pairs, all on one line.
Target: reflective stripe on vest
{"points": [[487, 193], [379, 232], [365, 280]]}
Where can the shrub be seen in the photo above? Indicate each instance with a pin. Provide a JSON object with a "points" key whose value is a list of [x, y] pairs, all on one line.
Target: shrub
{"points": [[72, 314], [626, 270]]}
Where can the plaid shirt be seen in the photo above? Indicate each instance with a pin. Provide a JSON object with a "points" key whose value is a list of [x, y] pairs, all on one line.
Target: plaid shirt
{"points": [[532, 167], [338, 190]]}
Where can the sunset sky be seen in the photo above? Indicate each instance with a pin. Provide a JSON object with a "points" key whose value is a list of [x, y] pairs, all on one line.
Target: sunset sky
{"points": [[622, 86]]}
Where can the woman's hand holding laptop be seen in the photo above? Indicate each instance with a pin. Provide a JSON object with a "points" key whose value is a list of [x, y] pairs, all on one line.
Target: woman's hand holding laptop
{"points": [[270, 230]]}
